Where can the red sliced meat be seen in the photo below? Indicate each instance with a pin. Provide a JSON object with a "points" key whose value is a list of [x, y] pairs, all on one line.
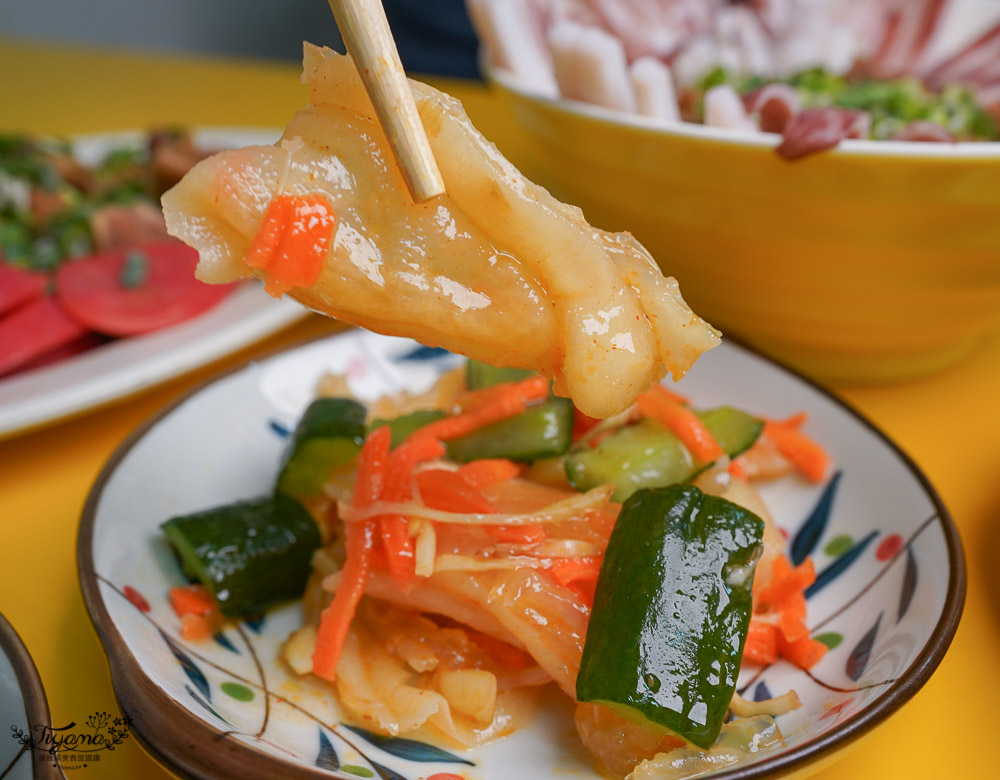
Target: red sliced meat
{"points": [[18, 286], [924, 131], [816, 129], [33, 329], [775, 105], [137, 290]]}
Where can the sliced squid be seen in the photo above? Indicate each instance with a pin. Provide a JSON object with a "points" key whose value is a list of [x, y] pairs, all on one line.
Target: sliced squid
{"points": [[496, 269]]}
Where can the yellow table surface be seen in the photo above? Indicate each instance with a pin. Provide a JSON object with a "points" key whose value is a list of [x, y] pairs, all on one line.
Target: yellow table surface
{"points": [[948, 423]]}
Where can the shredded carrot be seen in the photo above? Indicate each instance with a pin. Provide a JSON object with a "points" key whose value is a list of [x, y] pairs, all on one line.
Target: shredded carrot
{"points": [[783, 600], [360, 541], [394, 529], [786, 582], [806, 455], [517, 534], [737, 468], [489, 471], [502, 652], [761, 646], [191, 600], [292, 241], [533, 387], [567, 570], [505, 401], [582, 424], [584, 589], [804, 653], [657, 404], [450, 492], [197, 627]]}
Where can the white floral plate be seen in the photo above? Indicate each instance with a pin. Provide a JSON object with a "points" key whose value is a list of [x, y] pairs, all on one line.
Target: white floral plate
{"points": [[889, 593], [124, 367]]}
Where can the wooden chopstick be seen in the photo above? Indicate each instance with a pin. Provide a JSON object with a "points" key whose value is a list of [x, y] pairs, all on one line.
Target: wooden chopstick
{"points": [[369, 41]]}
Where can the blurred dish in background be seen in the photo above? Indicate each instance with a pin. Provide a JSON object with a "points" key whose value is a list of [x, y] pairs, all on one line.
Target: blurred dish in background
{"points": [[870, 262], [817, 72], [64, 310], [84, 251]]}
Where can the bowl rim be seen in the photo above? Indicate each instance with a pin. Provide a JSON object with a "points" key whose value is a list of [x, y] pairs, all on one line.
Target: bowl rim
{"points": [[191, 748], [908, 150], [36, 704]]}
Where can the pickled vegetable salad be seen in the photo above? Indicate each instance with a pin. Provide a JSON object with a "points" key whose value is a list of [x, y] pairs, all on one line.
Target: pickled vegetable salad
{"points": [[485, 539]]}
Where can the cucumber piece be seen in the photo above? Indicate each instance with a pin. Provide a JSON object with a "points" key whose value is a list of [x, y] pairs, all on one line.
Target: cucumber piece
{"points": [[637, 456], [401, 427], [648, 455], [328, 435], [671, 611], [250, 554], [479, 375], [541, 431], [734, 429]]}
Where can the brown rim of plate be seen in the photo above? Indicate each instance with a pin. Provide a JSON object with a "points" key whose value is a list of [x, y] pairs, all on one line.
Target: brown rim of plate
{"points": [[36, 706], [191, 748]]}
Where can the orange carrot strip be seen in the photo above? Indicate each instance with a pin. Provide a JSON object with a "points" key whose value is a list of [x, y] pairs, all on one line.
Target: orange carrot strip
{"points": [[582, 424], [394, 529], [737, 468], [292, 241], [785, 585], [360, 540], [806, 455], [567, 570], [584, 590], [191, 600], [513, 399], [450, 492], [532, 388], [670, 395], [762, 643], [265, 243], [489, 471], [517, 534], [792, 628], [197, 627], [372, 464], [804, 653], [682, 422]]}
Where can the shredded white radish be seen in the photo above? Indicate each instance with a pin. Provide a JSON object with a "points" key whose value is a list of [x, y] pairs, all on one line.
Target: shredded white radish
{"points": [[778, 705], [574, 506], [425, 549]]}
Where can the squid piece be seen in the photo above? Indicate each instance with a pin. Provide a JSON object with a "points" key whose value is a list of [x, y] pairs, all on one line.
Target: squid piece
{"points": [[496, 269]]}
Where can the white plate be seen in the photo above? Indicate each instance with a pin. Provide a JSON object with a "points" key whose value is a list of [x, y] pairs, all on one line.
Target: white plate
{"points": [[126, 366], [890, 589]]}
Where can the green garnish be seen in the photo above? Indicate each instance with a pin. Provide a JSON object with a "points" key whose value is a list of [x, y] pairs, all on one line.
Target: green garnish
{"points": [[135, 272]]}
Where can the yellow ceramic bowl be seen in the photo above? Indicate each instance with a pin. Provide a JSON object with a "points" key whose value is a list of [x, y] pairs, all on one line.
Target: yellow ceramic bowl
{"points": [[876, 261]]}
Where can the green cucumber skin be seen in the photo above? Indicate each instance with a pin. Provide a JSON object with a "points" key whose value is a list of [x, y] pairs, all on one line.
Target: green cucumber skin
{"points": [[733, 429], [306, 464], [541, 431], [666, 633], [648, 455], [250, 554], [637, 456], [479, 375], [401, 427]]}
